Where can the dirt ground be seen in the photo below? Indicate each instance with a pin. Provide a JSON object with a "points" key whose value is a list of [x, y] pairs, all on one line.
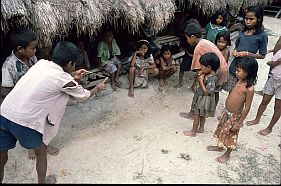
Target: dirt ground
{"points": [[117, 139]]}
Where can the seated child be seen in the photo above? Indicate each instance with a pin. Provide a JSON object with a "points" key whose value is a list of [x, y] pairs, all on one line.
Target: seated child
{"points": [[237, 107], [203, 103], [108, 52], [83, 60], [166, 68], [141, 67]]}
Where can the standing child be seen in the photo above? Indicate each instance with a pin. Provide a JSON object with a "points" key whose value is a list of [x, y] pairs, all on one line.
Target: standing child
{"points": [[223, 41], [166, 68], [217, 24], [251, 40], [203, 102], [237, 107]]}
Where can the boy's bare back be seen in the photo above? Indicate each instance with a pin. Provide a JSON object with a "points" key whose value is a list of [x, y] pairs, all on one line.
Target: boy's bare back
{"points": [[236, 98]]}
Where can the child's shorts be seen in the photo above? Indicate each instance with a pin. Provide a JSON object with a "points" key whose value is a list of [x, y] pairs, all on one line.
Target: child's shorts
{"points": [[112, 67], [10, 132], [273, 87]]}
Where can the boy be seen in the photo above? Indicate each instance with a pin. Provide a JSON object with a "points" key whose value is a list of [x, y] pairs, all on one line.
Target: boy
{"points": [[166, 68], [108, 52], [34, 121], [203, 46], [237, 107]]}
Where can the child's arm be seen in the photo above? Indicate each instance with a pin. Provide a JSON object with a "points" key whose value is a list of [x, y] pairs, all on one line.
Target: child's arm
{"points": [[201, 78], [273, 64], [226, 56], [134, 58], [248, 102]]}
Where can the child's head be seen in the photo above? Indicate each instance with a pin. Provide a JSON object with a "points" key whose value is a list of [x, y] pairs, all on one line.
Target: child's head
{"points": [[209, 62], [156, 52], [220, 18], [253, 19], [192, 32], [108, 36], [65, 55], [166, 51], [247, 69], [81, 45], [223, 40], [24, 42], [143, 46]]}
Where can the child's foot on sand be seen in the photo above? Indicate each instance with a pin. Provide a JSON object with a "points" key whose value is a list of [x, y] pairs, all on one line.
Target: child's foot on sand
{"points": [[188, 115], [189, 133], [223, 158], [51, 179], [265, 132], [31, 154], [253, 122], [161, 82], [178, 86], [200, 130], [113, 86], [131, 92], [214, 148], [118, 83]]}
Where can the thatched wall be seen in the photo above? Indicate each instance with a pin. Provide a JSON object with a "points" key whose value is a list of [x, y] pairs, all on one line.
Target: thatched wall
{"points": [[50, 18]]}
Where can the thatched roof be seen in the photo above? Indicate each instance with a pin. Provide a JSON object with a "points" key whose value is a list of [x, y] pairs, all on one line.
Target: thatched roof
{"points": [[50, 18]]}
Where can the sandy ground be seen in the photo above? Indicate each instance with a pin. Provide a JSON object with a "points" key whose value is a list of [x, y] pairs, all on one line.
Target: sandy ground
{"points": [[117, 139]]}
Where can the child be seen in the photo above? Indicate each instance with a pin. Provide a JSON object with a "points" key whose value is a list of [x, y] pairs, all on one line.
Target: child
{"points": [[34, 121], [166, 68], [203, 46], [272, 87], [237, 107], [217, 24], [24, 43], [203, 102], [249, 41], [141, 67], [108, 52], [83, 60], [223, 41]]}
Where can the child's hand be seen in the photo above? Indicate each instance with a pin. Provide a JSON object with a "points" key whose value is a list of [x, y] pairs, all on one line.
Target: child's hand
{"points": [[269, 63], [234, 53]]}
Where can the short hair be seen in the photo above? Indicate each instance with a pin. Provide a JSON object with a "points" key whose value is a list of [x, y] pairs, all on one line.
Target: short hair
{"points": [[225, 35], [193, 29], [223, 13], [165, 48], [210, 59], [65, 52], [22, 37], [250, 66]]}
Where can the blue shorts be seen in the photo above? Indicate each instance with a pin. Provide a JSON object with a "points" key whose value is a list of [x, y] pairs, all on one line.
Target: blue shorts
{"points": [[10, 132], [186, 63]]}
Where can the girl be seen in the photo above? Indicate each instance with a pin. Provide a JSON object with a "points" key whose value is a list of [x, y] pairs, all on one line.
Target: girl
{"points": [[223, 41], [237, 107], [203, 103], [217, 24], [141, 67], [251, 40], [166, 68]]}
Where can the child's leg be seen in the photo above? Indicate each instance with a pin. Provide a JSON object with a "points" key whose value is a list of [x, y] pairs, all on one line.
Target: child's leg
{"points": [[217, 97], [50, 150], [3, 161], [181, 74], [274, 119], [131, 81], [117, 73], [202, 121], [192, 133], [225, 156], [113, 86], [265, 101]]}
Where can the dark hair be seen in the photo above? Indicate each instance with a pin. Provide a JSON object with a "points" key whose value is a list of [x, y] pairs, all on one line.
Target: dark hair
{"points": [[165, 48], [225, 35], [223, 13], [156, 52], [142, 42], [192, 21], [65, 52], [258, 10], [250, 66], [22, 37], [210, 59], [193, 29]]}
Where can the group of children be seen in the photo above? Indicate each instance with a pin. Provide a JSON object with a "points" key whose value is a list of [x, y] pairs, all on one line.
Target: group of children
{"points": [[207, 57]]}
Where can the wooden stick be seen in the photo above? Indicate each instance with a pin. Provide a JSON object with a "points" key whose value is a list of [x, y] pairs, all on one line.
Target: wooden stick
{"points": [[104, 80]]}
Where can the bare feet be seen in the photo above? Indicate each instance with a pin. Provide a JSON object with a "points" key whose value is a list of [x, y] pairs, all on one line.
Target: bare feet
{"points": [[259, 92], [223, 158], [189, 133], [31, 154], [113, 86], [51, 179], [52, 150], [265, 131], [253, 122], [178, 86], [131, 92], [118, 83], [200, 130], [214, 148], [161, 82], [188, 115]]}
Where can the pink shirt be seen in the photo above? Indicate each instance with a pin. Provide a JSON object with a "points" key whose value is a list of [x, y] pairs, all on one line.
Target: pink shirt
{"points": [[38, 100], [204, 46], [276, 71]]}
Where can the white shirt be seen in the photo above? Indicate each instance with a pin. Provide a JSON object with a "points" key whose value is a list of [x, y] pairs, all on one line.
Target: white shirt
{"points": [[276, 71]]}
